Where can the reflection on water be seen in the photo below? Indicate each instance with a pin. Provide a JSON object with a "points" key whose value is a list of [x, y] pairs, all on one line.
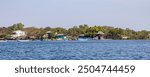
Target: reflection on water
{"points": [[76, 50]]}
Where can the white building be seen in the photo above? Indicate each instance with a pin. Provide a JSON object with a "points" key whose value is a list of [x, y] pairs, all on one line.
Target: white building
{"points": [[18, 33], [124, 37]]}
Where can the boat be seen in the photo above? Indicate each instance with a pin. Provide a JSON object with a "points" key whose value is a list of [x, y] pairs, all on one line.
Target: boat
{"points": [[82, 39], [3, 40], [23, 40]]}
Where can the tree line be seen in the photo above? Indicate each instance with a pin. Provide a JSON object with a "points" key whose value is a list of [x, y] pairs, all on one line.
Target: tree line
{"points": [[76, 31]]}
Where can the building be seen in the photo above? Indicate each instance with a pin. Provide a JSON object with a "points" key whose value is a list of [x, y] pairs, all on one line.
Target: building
{"points": [[49, 34], [99, 35], [124, 37], [18, 34], [82, 37], [148, 36], [61, 37]]}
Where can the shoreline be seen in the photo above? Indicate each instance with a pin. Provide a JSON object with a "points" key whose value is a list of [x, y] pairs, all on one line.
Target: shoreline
{"points": [[68, 40]]}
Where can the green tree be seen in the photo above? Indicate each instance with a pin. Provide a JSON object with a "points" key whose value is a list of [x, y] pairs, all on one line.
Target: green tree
{"points": [[18, 26], [115, 33], [143, 34]]}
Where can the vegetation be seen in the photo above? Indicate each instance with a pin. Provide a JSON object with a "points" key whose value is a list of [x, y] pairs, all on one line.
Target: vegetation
{"points": [[75, 31]]}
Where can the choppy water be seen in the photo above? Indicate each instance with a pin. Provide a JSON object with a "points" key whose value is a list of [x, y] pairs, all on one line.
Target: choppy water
{"points": [[76, 50]]}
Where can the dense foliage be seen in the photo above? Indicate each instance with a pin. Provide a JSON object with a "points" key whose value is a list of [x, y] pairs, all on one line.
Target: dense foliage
{"points": [[75, 31]]}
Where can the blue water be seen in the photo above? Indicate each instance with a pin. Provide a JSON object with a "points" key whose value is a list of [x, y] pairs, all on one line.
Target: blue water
{"points": [[76, 50]]}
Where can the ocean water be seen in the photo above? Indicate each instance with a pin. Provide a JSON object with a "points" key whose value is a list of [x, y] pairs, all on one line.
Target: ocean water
{"points": [[76, 50]]}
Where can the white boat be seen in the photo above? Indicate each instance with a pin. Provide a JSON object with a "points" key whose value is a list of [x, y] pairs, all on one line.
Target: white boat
{"points": [[23, 40], [82, 39], [3, 40]]}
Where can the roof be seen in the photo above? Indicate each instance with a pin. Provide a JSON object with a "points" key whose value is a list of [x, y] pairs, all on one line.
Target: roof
{"points": [[60, 34], [81, 35], [48, 32], [17, 31], [100, 32]]}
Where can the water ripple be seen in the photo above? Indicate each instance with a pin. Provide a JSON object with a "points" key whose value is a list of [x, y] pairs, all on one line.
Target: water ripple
{"points": [[76, 50]]}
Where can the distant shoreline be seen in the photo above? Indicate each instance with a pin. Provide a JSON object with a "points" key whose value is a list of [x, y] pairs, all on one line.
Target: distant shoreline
{"points": [[18, 32]]}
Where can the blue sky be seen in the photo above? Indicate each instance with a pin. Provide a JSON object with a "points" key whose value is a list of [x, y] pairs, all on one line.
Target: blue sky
{"points": [[134, 14]]}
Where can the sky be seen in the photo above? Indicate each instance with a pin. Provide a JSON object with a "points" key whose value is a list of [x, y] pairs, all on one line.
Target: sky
{"points": [[134, 14]]}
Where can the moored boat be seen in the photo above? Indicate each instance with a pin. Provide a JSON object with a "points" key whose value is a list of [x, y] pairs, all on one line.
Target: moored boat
{"points": [[23, 40], [3, 40]]}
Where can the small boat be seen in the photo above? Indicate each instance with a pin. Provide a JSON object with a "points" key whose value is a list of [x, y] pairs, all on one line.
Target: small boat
{"points": [[82, 39], [3, 40], [23, 40]]}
